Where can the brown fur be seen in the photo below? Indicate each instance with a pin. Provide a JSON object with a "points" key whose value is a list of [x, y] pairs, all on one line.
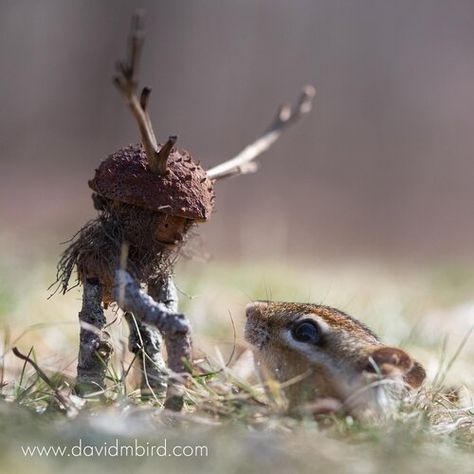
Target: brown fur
{"points": [[347, 356]]}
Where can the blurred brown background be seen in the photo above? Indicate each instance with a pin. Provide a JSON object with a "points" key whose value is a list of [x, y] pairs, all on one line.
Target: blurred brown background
{"points": [[383, 166]]}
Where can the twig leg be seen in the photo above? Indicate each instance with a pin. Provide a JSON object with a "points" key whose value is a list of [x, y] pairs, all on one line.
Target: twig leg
{"points": [[146, 342], [94, 349], [174, 327], [178, 347]]}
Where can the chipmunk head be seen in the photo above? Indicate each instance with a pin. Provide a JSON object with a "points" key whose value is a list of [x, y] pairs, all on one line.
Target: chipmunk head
{"points": [[322, 352]]}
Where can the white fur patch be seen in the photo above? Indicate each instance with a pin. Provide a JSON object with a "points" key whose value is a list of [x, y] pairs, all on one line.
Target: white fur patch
{"points": [[311, 352]]}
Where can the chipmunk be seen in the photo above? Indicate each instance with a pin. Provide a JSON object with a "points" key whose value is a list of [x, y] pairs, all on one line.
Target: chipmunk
{"points": [[320, 353]]}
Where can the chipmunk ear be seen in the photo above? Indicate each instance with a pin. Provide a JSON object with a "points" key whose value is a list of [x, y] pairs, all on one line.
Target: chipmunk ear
{"points": [[391, 361], [416, 375]]}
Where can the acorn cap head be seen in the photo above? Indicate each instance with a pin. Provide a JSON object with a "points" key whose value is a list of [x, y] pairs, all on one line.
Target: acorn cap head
{"points": [[184, 190]]}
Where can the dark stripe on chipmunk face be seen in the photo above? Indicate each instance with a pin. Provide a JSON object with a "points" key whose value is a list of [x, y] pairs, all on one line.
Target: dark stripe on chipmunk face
{"points": [[338, 318], [284, 314]]}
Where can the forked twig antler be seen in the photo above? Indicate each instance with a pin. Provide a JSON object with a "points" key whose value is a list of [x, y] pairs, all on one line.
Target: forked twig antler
{"points": [[244, 162], [127, 83]]}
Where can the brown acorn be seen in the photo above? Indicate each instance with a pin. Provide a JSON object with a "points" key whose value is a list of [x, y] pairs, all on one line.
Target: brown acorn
{"points": [[183, 190]]}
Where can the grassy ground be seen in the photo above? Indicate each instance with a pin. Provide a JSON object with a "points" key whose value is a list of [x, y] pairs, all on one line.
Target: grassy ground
{"points": [[428, 311]]}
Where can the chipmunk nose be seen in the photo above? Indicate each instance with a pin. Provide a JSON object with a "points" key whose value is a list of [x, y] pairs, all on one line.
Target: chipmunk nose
{"points": [[255, 309], [389, 361]]}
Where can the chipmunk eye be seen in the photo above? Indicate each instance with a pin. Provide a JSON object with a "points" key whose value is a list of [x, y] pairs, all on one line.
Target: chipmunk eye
{"points": [[306, 331]]}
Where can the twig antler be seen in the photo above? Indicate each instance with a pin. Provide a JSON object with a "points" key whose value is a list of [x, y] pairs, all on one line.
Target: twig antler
{"points": [[244, 162], [127, 83]]}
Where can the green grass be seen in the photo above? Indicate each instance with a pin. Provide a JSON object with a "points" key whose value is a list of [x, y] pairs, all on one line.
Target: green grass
{"points": [[245, 429]]}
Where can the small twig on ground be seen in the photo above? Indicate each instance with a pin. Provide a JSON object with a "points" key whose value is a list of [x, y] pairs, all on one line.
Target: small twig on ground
{"points": [[62, 400], [23, 369]]}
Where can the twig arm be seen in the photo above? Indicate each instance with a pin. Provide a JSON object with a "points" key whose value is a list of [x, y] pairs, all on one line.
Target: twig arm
{"points": [[286, 116], [164, 290], [130, 297]]}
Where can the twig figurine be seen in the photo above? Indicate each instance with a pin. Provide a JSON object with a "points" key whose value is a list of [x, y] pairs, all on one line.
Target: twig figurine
{"points": [[148, 196]]}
